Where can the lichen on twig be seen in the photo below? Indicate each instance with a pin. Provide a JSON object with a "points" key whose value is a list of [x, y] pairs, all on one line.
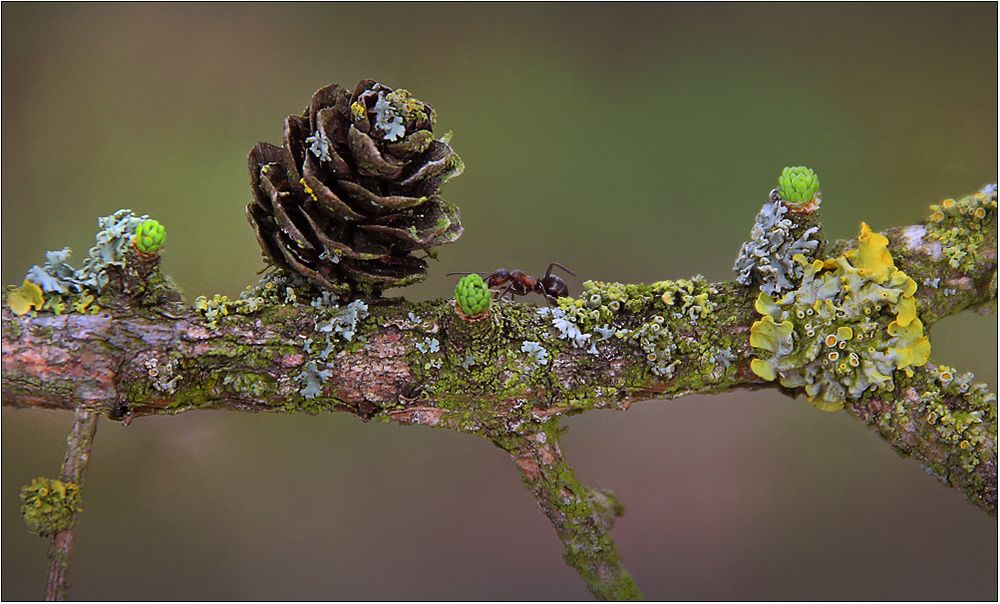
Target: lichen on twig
{"points": [[841, 330]]}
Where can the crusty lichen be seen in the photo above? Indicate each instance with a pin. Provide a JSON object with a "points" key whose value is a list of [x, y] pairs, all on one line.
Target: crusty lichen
{"points": [[949, 423], [582, 517], [848, 327], [647, 316], [969, 425], [49, 506], [961, 226]]}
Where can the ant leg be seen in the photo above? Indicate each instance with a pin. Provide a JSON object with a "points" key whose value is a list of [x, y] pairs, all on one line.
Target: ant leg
{"points": [[548, 273], [500, 295]]}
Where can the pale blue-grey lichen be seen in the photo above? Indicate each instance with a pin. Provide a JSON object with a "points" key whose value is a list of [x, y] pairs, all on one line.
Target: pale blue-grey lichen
{"points": [[766, 259], [331, 255], [312, 378], [319, 145], [111, 243], [722, 357], [536, 350], [388, 119], [337, 325], [429, 346], [344, 321], [567, 327], [605, 332]]}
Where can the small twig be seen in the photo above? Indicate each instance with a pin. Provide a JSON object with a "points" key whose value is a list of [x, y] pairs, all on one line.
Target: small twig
{"points": [[582, 517], [79, 442]]}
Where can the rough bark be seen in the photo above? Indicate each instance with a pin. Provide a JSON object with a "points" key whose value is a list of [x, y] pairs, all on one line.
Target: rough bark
{"points": [[145, 353]]}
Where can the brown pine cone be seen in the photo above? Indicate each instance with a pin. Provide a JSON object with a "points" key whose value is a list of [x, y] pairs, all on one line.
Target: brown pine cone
{"points": [[353, 193]]}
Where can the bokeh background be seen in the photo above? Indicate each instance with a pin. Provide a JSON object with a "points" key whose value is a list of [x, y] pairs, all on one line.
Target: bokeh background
{"points": [[627, 142]]}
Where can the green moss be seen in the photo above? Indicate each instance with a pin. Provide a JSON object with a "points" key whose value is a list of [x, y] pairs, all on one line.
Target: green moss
{"points": [[49, 506], [246, 384]]}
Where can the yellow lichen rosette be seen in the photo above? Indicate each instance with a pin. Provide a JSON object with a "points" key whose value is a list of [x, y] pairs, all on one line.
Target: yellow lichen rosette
{"points": [[848, 327]]}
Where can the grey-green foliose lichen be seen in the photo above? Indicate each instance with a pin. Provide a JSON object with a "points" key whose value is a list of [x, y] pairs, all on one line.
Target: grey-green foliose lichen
{"points": [[56, 287], [766, 259]]}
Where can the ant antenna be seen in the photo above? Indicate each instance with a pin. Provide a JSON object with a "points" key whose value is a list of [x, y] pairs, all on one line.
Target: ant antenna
{"points": [[466, 273], [548, 273]]}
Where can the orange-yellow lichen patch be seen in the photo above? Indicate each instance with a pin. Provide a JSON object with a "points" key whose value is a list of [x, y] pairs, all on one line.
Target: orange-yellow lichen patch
{"points": [[25, 298]]}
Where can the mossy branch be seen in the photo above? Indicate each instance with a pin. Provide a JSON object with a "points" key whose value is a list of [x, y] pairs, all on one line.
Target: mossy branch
{"points": [[582, 517], [510, 375]]}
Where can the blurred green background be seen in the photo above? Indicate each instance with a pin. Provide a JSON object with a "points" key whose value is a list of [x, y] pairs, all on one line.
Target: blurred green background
{"points": [[627, 142]]}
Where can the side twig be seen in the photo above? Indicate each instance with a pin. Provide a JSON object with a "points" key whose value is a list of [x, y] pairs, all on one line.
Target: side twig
{"points": [[581, 516], [74, 469]]}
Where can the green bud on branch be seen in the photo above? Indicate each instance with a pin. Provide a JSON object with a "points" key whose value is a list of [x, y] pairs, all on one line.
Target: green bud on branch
{"points": [[798, 185], [472, 296], [150, 236]]}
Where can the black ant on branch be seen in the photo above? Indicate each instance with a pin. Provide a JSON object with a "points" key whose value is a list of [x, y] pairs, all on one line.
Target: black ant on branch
{"points": [[515, 282]]}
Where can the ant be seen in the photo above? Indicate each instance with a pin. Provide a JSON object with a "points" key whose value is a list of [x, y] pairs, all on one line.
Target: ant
{"points": [[518, 283]]}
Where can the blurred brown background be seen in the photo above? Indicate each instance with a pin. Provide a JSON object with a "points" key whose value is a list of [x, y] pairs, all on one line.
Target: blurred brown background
{"points": [[628, 142]]}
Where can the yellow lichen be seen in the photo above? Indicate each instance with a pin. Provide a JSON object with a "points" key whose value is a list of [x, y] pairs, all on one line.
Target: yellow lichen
{"points": [[25, 298], [766, 334], [851, 323], [763, 369], [309, 190], [358, 110], [872, 258], [906, 311]]}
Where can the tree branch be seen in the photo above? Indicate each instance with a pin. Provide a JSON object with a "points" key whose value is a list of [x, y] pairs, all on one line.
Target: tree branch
{"points": [[582, 517], [79, 443], [507, 378]]}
